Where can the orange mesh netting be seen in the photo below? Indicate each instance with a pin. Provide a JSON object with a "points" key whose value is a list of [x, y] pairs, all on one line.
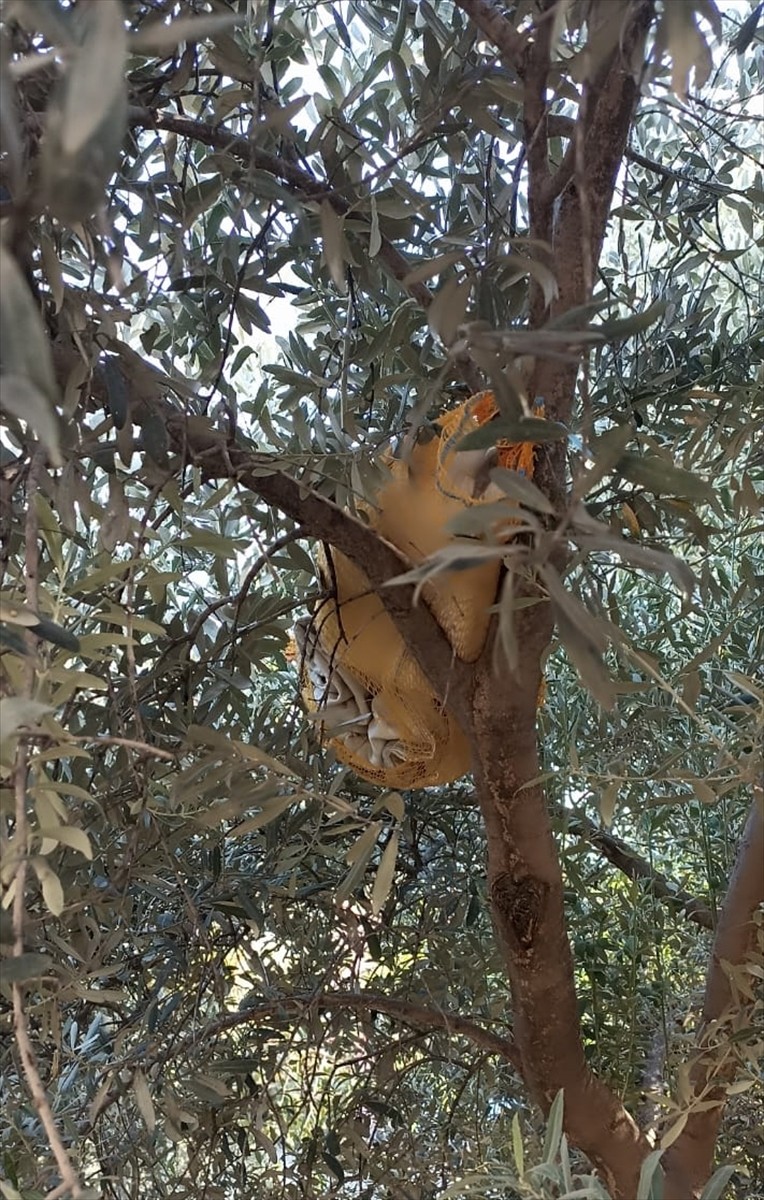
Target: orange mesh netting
{"points": [[515, 456], [375, 707]]}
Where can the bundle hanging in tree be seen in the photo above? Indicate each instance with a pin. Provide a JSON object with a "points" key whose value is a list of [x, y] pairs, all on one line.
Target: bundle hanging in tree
{"points": [[375, 707]]}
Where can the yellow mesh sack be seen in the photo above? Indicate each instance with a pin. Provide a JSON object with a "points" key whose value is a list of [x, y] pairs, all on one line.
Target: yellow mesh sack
{"points": [[426, 493], [375, 707], [397, 734], [515, 456], [413, 512]]}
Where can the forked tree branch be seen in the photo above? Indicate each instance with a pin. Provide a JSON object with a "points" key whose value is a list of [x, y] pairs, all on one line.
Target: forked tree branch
{"points": [[524, 875], [298, 180], [418, 1016]]}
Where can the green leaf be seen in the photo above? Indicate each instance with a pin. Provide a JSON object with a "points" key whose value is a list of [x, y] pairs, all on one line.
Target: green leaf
{"points": [[24, 349], [24, 967], [433, 266], [375, 237], [650, 1176], [517, 1145], [49, 631], [116, 392], [626, 327], [69, 835], [156, 36], [334, 1165], [660, 477], [143, 1100], [358, 855], [740, 44], [18, 614], [605, 452], [607, 803], [448, 309], [528, 429], [87, 116], [154, 439], [517, 487], [96, 76], [554, 1128], [334, 245], [50, 884], [12, 641], [586, 657], [593, 536], [717, 1184], [364, 845], [383, 879], [270, 811]]}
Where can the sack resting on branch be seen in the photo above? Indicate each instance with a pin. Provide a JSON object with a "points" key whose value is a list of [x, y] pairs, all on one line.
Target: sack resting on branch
{"points": [[374, 705]]}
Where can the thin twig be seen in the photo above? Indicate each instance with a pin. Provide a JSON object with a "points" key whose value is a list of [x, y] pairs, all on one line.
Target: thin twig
{"points": [[238, 596], [307, 186], [418, 1015], [69, 1177], [129, 744]]}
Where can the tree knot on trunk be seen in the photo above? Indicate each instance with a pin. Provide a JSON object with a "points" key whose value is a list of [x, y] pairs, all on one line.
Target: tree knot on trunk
{"points": [[519, 906]]}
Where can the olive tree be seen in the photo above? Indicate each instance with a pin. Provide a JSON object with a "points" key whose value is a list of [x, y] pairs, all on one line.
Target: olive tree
{"points": [[246, 250]]}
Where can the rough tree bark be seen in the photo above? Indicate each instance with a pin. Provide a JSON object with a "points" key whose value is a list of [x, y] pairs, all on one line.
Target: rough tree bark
{"points": [[569, 209], [689, 1161]]}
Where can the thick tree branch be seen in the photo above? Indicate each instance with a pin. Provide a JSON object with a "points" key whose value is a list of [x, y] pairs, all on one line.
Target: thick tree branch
{"points": [[380, 562], [196, 441], [725, 1010], [569, 213], [526, 891], [581, 211]]}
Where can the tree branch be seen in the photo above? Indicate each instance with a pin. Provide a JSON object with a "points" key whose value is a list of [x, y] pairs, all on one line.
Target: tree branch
{"points": [[417, 1015], [303, 184], [430, 1020], [20, 843], [196, 441], [497, 29], [240, 595], [296, 178], [634, 866], [582, 209], [527, 902], [524, 876], [380, 563], [728, 1000]]}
